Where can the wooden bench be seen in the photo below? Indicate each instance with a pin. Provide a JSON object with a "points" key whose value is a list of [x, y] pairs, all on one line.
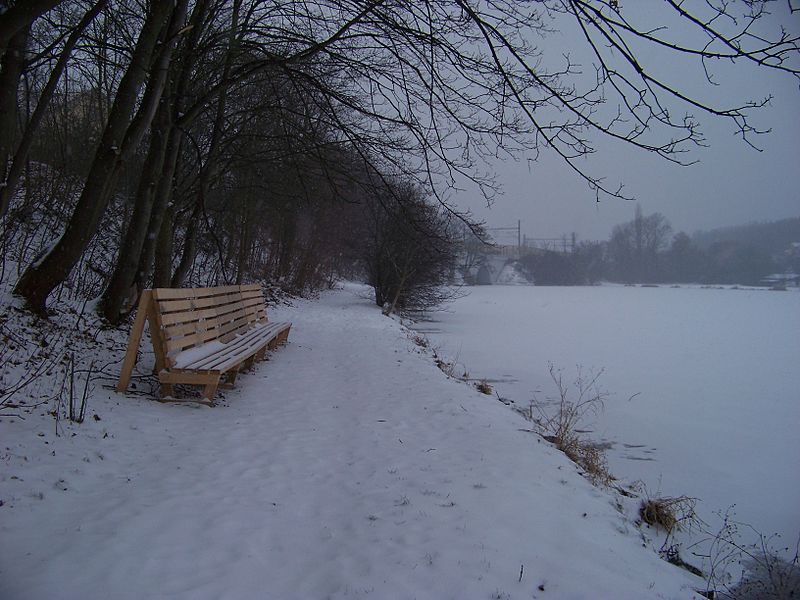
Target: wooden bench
{"points": [[202, 335]]}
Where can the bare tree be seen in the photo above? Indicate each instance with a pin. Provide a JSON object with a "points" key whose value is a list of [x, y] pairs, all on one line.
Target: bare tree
{"points": [[423, 93], [409, 248], [17, 16], [635, 247], [128, 120]]}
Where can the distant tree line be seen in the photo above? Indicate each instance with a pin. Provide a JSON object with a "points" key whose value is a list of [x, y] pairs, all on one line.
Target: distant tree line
{"points": [[644, 250], [584, 265], [202, 142]]}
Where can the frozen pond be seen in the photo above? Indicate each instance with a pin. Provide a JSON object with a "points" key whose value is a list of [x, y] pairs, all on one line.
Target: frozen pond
{"points": [[704, 384]]}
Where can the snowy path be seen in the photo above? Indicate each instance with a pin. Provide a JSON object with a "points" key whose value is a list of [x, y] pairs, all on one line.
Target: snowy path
{"points": [[346, 467]]}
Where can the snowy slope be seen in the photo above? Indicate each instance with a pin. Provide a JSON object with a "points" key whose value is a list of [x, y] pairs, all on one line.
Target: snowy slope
{"points": [[704, 384], [347, 466]]}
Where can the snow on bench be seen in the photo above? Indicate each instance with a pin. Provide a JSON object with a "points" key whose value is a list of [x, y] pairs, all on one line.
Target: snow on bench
{"points": [[201, 335]]}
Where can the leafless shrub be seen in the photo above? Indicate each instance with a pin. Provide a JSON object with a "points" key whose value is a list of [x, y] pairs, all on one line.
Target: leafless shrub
{"points": [[449, 367], [742, 571], [564, 422], [68, 401], [39, 362], [561, 421]]}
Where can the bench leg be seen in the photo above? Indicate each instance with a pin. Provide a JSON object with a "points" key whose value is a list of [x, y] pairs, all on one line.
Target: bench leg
{"points": [[248, 364], [167, 390], [230, 378], [209, 390]]}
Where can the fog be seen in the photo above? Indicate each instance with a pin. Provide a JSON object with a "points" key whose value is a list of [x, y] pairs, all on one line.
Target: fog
{"points": [[730, 183]]}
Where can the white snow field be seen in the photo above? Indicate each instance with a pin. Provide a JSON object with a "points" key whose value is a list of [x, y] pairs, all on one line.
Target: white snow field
{"points": [[704, 384], [347, 466]]}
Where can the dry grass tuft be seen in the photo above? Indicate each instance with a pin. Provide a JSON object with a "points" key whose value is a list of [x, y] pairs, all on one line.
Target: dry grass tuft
{"points": [[669, 513], [591, 459], [421, 341], [483, 387]]}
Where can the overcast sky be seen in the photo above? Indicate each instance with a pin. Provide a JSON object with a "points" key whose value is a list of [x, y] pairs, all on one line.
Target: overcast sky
{"points": [[731, 184]]}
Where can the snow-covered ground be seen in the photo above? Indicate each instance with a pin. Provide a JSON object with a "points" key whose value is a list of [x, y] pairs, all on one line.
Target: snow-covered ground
{"points": [[704, 384], [347, 466]]}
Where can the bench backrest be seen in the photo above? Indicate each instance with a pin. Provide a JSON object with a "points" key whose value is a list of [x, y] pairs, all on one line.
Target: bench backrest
{"points": [[194, 316]]}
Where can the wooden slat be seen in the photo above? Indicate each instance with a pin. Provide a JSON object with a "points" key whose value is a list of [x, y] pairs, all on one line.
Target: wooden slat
{"points": [[209, 362], [232, 359], [245, 314], [211, 322], [193, 304], [190, 377], [204, 331], [266, 338], [224, 363], [222, 334], [180, 336], [207, 313], [157, 337], [181, 293], [189, 304], [240, 349], [133, 341], [187, 316]]}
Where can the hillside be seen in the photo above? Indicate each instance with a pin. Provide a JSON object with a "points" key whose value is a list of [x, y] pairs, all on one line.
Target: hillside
{"points": [[772, 237]]}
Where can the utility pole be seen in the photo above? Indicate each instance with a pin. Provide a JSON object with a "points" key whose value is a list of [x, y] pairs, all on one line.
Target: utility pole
{"points": [[519, 238]]}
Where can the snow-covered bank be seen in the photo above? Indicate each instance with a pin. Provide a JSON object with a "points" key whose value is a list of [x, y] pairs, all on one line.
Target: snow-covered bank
{"points": [[346, 466], [704, 383]]}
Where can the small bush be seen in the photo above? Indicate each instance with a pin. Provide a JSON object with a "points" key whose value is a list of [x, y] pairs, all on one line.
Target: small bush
{"points": [[658, 513], [591, 458], [764, 570], [562, 425], [483, 387], [668, 514]]}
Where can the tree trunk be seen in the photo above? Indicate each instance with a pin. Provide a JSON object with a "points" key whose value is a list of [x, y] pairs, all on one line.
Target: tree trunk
{"points": [[11, 67], [244, 242], [162, 270], [189, 247], [161, 211], [288, 242], [19, 17], [156, 249], [21, 155], [120, 138], [208, 171], [120, 295]]}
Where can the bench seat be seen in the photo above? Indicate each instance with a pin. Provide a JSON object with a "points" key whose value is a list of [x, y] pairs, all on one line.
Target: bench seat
{"points": [[201, 335], [216, 356]]}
